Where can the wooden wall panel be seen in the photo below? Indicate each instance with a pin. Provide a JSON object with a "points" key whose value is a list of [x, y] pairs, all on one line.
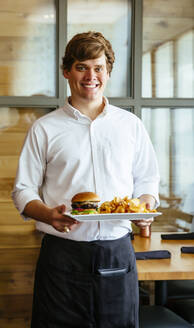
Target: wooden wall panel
{"points": [[11, 143], [14, 124], [6, 74], [15, 306], [9, 215], [19, 250], [15, 323], [8, 166], [18, 259], [13, 283], [6, 186], [25, 236]]}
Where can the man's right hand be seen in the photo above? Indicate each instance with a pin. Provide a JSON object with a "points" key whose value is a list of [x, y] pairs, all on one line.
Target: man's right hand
{"points": [[39, 211], [59, 221]]}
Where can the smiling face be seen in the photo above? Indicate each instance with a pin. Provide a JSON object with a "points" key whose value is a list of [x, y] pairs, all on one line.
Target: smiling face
{"points": [[87, 79]]}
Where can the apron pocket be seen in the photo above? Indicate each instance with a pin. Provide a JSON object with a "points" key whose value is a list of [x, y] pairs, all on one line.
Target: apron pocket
{"points": [[112, 272]]}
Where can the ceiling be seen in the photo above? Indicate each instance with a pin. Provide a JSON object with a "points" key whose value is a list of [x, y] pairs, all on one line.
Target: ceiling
{"points": [[165, 20]]}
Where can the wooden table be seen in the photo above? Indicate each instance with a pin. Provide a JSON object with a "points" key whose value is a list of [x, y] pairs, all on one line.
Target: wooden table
{"points": [[178, 267]]}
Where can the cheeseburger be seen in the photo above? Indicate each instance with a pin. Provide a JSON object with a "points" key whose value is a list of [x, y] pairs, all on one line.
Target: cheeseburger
{"points": [[85, 203]]}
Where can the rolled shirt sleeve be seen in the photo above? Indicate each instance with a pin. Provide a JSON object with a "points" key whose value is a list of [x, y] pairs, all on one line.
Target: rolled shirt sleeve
{"points": [[30, 172]]}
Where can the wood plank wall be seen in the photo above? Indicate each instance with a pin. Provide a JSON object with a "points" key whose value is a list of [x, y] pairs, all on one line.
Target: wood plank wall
{"points": [[14, 124], [19, 249], [19, 242]]}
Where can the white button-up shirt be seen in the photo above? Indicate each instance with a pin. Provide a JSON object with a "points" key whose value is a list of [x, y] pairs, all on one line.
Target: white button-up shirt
{"points": [[65, 152]]}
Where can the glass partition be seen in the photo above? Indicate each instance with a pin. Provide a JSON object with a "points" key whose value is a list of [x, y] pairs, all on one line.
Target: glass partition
{"points": [[113, 19], [27, 48], [172, 134], [168, 49]]}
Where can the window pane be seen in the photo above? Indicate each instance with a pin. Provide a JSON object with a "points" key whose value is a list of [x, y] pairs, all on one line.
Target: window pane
{"points": [[147, 76], [168, 37], [113, 19], [175, 152], [185, 80], [27, 48], [14, 123], [164, 71]]}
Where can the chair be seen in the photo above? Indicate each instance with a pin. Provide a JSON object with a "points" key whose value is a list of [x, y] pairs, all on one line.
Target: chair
{"points": [[184, 308], [169, 290], [180, 298], [156, 316], [180, 289]]}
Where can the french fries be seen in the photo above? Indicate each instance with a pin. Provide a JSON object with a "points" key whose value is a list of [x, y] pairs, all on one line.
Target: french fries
{"points": [[124, 205]]}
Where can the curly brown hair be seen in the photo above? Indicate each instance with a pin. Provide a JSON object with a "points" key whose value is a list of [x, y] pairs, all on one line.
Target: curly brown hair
{"points": [[89, 45]]}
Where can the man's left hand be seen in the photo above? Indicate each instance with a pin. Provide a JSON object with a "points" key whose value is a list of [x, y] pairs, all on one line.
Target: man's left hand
{"points": [[149, 200]]}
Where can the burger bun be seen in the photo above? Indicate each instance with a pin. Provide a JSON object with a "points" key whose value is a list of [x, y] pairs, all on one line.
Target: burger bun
{"points": [[85, 196]]}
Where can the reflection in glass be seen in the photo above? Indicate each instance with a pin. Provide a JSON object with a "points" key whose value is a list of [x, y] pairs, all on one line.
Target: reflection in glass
{"points": [[164, 71], [112, 18], [185, 64], [168, 37], [146, 76], [172, 134], [27, 48]]}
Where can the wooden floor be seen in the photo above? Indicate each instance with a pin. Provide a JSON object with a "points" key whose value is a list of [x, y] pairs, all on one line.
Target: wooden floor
{"points": [[19, 249]]}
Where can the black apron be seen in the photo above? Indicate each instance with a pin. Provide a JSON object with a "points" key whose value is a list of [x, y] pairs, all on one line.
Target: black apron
{"points": [[86, 284]]}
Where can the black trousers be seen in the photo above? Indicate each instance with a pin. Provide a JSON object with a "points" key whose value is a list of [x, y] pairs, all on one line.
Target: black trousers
{"points": [[85, 284]]}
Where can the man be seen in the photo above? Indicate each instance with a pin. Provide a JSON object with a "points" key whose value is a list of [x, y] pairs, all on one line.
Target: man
{"points": [[86, 273]]}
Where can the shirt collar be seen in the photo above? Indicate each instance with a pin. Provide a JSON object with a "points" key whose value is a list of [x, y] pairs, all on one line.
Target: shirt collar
{"points": [[76, 114]]}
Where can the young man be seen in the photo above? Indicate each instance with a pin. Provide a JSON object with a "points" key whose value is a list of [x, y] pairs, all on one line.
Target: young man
{"points": [[86, 273]]}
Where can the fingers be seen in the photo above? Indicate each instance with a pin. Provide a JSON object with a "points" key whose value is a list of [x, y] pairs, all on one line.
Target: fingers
{"points": [[146, 221], [64, 226], [149, 200], [67, 228], [148, 207], [58, 213], [60, 221], [143, 222], [69, 220]]}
